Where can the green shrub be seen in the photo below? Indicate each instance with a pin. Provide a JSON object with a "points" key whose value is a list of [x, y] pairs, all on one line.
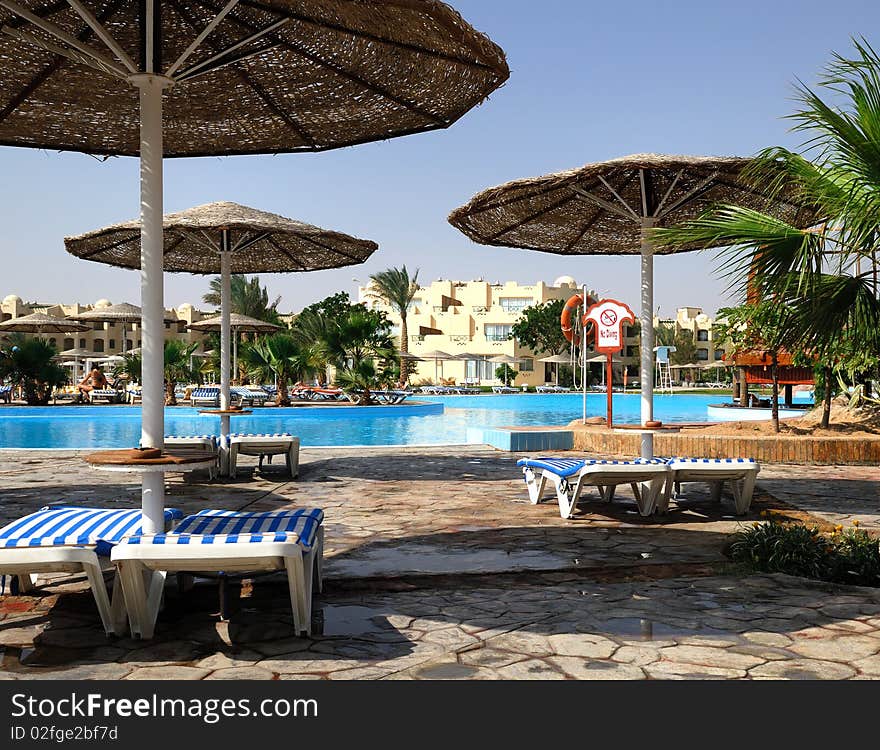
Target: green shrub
{"points": [[774, 547], [855, 559], [851, 557]]}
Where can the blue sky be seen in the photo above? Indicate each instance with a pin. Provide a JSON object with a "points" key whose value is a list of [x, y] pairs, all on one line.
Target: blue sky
{"points": [[590, 81]]}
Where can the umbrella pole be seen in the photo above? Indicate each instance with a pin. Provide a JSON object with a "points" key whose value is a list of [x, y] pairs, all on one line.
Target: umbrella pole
{"points": [[153, 335], [584, 356], [647, 337], [225, 336]]}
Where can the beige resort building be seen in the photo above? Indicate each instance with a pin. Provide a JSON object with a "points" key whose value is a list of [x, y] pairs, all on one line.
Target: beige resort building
{"points": [[694, 321], [472, 321], [104, 339]]}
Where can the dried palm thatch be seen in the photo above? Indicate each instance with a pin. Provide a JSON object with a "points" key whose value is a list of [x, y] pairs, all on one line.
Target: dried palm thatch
{"points": [[598, 209], [41, 323], [123, 312], [271, 76], [237, 322], [258, 241]]}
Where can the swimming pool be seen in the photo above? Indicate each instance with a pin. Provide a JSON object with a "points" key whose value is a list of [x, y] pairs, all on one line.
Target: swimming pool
{"points": [[437, 420]]}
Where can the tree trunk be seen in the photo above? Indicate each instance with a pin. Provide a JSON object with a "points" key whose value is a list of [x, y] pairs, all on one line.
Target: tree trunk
{"points": [[826, 401], [774, 403], [170, 398], [743, 388], [282, 399], [405, 362]]}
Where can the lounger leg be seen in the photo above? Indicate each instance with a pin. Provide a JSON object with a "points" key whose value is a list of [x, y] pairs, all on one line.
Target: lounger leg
{"points": [[566, 496], [743, 497], [118, 615], [716, 490], [654, 493], [319, 560], [24, 583], [132, 575], [232, 460], [663, 498], [99, 591], [296, 586], [535, 485]]}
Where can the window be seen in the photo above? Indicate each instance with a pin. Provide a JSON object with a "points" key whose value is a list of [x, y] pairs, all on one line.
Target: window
{"points": [[632, 351], [181, 326], [413, 304], [527, 365], [82, 343], [515, 304], [702, 335], [167, 326], [702, 355], [97, 326], [69, 343], [480, 369], [497, 331], [99, 345], [53, 342], [719, 354], [129, 344], [111, 345]]}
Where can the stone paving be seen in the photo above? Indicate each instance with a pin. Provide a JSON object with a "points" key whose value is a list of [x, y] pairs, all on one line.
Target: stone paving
{"points": [[438, 568]]}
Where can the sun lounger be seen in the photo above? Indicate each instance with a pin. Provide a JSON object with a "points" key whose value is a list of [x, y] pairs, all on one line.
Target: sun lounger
{"points": [[740, 472], [504, 389], [265, 445], [209, 444], [227, 542], [249, 396], [71, 540], [110, 395], [205, 397], [570, 476], [6, 393]]}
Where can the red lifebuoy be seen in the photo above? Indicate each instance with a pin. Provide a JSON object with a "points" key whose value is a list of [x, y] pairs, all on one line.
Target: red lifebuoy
{"points": [[573, 304]]}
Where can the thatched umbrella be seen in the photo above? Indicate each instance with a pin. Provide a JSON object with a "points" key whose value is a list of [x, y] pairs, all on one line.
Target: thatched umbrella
{"points": [[225, 238], [123, 312], [437, 356], [609, 208], [237, 324], [233, 77], [557, 359], [73, 356], [41, 323]]}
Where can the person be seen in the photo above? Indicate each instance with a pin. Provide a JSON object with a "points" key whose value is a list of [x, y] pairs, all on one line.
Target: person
{"points": [[94, 380]]}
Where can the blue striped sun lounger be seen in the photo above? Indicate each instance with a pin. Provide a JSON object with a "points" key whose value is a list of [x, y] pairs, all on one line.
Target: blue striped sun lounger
{"points": [[228, 542], [70, 539], [569, 476]]}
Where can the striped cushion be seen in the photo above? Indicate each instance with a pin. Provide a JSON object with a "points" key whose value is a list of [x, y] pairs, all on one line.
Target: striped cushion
{"points": [[52, 527], [230, 527], [205, 392], [712, 461], [565, 467], [285, 435]]}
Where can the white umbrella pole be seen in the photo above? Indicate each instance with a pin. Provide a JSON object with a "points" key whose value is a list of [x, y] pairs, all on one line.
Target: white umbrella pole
{"points": [[647, 337], [225, 335], [584, 356], [153, 334]]}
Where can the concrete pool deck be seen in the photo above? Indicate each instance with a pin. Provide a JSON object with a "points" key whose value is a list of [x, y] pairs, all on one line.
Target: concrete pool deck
{"points": [[438, 567]]}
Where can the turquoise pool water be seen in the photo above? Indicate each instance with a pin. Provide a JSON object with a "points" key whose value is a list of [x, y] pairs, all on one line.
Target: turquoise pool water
{"points": [[440, 420]]}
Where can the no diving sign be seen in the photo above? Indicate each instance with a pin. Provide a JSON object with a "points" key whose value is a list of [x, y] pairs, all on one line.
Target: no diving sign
{"points": [[608, 317]]}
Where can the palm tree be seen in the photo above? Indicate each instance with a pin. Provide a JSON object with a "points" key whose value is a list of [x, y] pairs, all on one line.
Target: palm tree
{"points": [[361, 336], [177, 356], [826, 275], [396, 288], [28, 363], [279, 356], [248, 297]]}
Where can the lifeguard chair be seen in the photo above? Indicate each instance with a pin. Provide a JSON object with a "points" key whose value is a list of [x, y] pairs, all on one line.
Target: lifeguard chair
{"points": [[664, 373]]}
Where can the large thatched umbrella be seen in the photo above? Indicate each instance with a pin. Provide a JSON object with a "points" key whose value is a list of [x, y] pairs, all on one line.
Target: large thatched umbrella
{"points": [[41, 323], [609, 208], [225, 238], [234, 77]]}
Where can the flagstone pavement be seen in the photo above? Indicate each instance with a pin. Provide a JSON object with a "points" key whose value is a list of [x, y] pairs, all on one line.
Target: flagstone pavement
{"points": [[437, 567]]}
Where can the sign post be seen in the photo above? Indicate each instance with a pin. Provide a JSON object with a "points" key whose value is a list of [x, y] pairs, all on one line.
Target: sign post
{"points": [[608, 317]]}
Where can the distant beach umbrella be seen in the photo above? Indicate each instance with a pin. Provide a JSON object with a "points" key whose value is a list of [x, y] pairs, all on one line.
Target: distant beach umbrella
{"points": [[123, 312], [609, 208]]}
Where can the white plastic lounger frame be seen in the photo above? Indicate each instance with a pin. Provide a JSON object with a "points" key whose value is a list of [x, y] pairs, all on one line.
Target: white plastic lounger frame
{"points": [[207, 443], [265, 445], [71, 540], [715, 472], [604, 475], [283, 540]]}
